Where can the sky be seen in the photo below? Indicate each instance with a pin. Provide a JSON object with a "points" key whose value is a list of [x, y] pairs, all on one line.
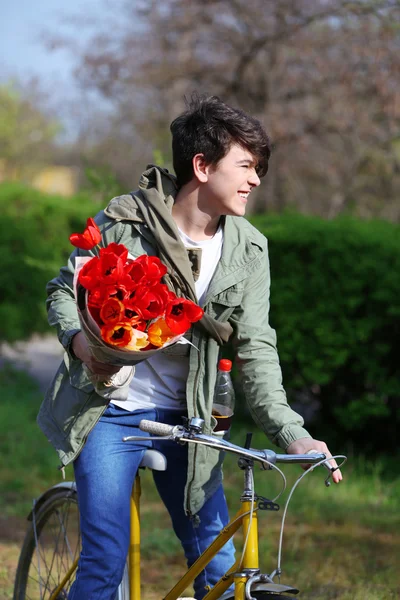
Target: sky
{"points": [[22, 53]]}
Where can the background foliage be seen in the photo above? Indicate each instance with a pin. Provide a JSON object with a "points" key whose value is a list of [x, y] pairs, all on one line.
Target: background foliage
{"points": [[334, 300], [334, 304], [34, 230], [320, 75]]}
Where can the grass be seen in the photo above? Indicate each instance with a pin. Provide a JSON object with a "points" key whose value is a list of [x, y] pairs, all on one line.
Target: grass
{"points": [[29, 464], [341, 542]]}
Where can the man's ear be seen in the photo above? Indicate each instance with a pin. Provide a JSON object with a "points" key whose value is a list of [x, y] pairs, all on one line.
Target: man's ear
{"points": [[200, 169]]}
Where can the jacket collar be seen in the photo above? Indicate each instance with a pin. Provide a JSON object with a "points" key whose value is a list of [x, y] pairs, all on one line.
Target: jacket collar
{"points": [[153, 178]]}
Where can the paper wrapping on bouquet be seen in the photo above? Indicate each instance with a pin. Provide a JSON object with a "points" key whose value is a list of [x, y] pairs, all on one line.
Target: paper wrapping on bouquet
{"points": [[115, 387]]}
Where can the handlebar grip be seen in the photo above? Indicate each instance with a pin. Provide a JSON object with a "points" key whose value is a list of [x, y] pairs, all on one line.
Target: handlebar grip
{"points": [[155, 428]]}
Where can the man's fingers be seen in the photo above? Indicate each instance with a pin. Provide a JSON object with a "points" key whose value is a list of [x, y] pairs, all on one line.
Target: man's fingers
{"points": [[102, 368], [336, 475], [312, 446]]}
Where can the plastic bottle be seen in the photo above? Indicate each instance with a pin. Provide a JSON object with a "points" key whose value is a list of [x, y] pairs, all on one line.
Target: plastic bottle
{"points": [[224, 396]]}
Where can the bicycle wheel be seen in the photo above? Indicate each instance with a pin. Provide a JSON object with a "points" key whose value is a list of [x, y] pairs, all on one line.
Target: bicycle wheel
{"points": [[51, 545], [267, 596], [264, 596]]}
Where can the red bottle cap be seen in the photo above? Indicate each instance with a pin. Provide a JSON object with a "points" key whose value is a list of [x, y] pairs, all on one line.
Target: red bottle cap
{"points": [[225, 364]]}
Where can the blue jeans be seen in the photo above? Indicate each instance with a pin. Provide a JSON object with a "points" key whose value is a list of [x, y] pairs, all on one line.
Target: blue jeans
{"points": [[104, 474]]}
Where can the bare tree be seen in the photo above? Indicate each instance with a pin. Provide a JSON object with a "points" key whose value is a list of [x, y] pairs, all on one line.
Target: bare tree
{"points": [[27, 132], [322, 75]]}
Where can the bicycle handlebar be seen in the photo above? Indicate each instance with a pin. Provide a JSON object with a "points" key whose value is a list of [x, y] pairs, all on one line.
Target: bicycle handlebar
{"points": [[267, 457], [156, 428]]}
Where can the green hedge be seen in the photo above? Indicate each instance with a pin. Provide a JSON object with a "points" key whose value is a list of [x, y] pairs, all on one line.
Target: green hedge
{"points": [[34, 230], [335, 306]]}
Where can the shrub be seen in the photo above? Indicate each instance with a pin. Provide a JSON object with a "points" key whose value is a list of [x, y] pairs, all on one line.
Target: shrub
{"points": [[335, 306], [34, 230]]}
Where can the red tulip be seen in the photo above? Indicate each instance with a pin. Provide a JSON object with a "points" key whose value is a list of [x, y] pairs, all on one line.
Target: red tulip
{"points": [[181, 313], [89, 274], [112, 266], [147, 270], [112, 311], [89, 238], [149, 302], [115, 249]]}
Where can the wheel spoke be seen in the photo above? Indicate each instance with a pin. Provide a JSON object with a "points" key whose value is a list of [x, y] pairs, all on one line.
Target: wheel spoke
{"points": [[47, 556]]}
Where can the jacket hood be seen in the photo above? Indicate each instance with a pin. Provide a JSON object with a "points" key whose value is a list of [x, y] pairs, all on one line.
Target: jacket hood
{"points": [[154, 178]]}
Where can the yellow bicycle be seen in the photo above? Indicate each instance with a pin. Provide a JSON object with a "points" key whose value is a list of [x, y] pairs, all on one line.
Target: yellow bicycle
{"points": [[49, 555]]}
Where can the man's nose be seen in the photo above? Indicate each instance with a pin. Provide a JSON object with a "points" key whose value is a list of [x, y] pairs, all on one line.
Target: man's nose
{"points": [[254, 178]]}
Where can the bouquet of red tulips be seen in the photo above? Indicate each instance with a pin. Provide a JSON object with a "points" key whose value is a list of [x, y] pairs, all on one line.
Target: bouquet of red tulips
{"points": [[126, 312]]}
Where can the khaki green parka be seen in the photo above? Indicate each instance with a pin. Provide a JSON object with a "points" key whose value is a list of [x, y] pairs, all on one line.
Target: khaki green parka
{"points": [[238, 294]]}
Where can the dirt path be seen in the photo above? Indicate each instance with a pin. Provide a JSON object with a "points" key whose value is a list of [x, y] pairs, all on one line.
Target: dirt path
{"points": [[40, 357]]}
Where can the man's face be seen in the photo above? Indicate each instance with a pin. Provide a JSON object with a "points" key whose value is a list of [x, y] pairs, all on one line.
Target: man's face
{"points": [[229, 183]]}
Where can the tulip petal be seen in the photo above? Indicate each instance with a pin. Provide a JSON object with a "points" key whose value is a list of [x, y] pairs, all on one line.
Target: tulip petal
{"points": [[89, 238], [159, 333]]}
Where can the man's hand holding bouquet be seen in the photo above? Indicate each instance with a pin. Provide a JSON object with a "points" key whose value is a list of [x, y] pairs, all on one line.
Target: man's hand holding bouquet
{"points": [[126, 313]]}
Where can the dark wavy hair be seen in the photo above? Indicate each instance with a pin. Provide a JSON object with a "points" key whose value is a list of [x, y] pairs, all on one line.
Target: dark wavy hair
{"points": [[210, 127]]}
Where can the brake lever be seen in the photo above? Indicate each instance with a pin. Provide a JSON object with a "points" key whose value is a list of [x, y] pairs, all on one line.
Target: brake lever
{"points": [[327, 466]]}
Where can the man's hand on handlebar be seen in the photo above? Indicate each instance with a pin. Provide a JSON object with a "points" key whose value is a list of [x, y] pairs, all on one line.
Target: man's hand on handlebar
{"points": [[305, 445]]}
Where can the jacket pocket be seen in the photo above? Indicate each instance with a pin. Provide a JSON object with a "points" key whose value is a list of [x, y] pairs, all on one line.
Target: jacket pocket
{"points": [[67, 398], [78, 377], [224, 303]]}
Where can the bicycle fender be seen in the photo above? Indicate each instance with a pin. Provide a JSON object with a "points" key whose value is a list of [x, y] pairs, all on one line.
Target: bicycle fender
{"points": [[272, 590], [269, 588], [65, 485], [275, 588]]}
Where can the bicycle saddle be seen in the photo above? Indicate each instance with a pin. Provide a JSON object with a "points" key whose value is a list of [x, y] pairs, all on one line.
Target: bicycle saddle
{"points": [[153, 459]]}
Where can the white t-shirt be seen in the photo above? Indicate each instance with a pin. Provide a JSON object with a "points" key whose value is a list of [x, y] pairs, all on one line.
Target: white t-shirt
{"points": [[160, 381]]}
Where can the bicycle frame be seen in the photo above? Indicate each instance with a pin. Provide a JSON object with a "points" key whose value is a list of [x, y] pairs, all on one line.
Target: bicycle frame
{"points": [[246, 518], [250, 558]]}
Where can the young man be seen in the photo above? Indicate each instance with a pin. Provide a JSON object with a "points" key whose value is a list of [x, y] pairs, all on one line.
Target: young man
{"points": [[194, 223]]}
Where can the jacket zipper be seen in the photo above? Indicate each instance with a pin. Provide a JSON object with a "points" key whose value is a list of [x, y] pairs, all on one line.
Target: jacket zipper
{"points": [[195, 388]]}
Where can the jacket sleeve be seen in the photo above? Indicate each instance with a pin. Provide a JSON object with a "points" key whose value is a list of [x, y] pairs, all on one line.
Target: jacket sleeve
{"points": [[257, 359], [61, 306], [60, 303]]}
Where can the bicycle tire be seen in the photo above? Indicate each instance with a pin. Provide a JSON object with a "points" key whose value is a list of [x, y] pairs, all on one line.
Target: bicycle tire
{"points": [[266, 596], [56, 528]]}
